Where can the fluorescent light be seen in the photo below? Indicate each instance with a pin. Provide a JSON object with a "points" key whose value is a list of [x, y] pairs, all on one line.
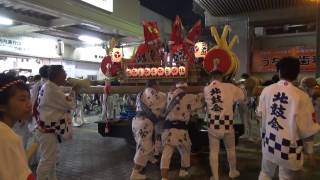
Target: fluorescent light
{"points": [[5, 21], [90, 39]]}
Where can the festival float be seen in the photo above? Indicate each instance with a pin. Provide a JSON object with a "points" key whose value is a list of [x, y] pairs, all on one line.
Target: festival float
{"points": [[188, 60]]}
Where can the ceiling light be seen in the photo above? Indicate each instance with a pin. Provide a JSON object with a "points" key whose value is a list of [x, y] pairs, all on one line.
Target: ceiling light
{"points": [[5, 21], [90, 39]]}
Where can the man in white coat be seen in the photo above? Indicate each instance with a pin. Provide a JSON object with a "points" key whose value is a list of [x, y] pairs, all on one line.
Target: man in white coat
{"points": [[150, 103], [175, 135], [288, 123], [52, 118], [220, 98]]}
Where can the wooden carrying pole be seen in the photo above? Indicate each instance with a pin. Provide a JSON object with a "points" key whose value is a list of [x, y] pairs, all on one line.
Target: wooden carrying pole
{"points": [[134, 89]]}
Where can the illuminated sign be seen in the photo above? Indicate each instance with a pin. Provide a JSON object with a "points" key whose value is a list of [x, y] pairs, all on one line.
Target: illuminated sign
{"points": [[102, 4]]}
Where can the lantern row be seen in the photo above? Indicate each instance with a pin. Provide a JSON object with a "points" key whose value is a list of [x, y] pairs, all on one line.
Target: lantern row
{"points": [[156, 71]]}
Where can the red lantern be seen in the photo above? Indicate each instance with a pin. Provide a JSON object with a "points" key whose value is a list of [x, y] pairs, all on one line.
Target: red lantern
{"points": [[182, 70], [175, 71], [116, 55], [160, 71], [147, 72], [167, 71], [154, 71]]}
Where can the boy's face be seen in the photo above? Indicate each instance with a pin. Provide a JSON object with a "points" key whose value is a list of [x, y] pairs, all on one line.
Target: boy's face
{"points": [[19, 106], [61, 78]]}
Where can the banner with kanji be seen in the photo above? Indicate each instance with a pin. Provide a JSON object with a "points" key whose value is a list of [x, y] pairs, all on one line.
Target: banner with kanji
{"points": [[266, 60]]}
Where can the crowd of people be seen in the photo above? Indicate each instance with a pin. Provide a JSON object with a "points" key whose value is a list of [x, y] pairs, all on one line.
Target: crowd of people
{"points": [[287, 118]]}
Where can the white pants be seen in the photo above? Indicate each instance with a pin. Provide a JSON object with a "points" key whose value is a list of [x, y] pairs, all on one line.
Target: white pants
{"points": [[78, 114], [244, 114], [142, 129], [268, 169], [229, 143], [167, 154], [46, 169]]}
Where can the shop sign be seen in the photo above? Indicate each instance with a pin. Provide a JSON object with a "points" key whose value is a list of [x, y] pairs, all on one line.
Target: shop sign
{"points": [[106, 5], [14, 44], [266, 60], [39, 47]]}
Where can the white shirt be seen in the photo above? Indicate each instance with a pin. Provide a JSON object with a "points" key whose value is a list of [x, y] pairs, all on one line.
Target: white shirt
{"points": [[188, 104], [13, 161], [54, 105], [153, 99], [220, 98], [287, 118]]}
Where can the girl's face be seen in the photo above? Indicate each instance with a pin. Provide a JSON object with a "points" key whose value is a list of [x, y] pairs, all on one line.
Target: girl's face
{"points": [[19, 106]]}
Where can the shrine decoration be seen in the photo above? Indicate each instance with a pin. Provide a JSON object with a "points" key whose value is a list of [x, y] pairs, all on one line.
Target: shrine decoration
{"points": [[200, 49], [116, 55], [221, 56]]}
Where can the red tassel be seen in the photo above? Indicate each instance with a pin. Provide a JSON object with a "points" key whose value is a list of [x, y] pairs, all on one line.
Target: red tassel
{"points": [[31, 177]]}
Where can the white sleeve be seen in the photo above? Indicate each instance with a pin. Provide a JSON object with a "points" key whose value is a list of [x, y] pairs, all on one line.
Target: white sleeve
{"points": [[305, 118]]}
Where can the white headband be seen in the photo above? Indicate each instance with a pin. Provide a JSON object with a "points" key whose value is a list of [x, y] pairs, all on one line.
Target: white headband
{"points": [[10, 84]]}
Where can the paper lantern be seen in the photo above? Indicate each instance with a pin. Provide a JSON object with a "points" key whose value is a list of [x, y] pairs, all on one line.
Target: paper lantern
{"points": [[160, 71], [134, 72], [200, 49], [141, 72], [128, 72], [167, 71], [116, 55], [147, 72], [182, 70], [175, 71], [154, 71]]}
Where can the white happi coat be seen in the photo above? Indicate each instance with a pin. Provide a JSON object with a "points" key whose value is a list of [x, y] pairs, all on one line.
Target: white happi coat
{"points": [[34, 93], [143, 127], [54, 108], [181, 112], [220, 98], [287, 118]]}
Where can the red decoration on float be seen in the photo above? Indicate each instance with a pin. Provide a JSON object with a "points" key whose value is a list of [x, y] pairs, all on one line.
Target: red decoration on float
{"points": [[109, 68], [217, 59]]}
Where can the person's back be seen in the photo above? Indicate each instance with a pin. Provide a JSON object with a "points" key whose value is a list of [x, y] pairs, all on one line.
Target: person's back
{"points": [[286, 107], [287, 123], [220, 98]]}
